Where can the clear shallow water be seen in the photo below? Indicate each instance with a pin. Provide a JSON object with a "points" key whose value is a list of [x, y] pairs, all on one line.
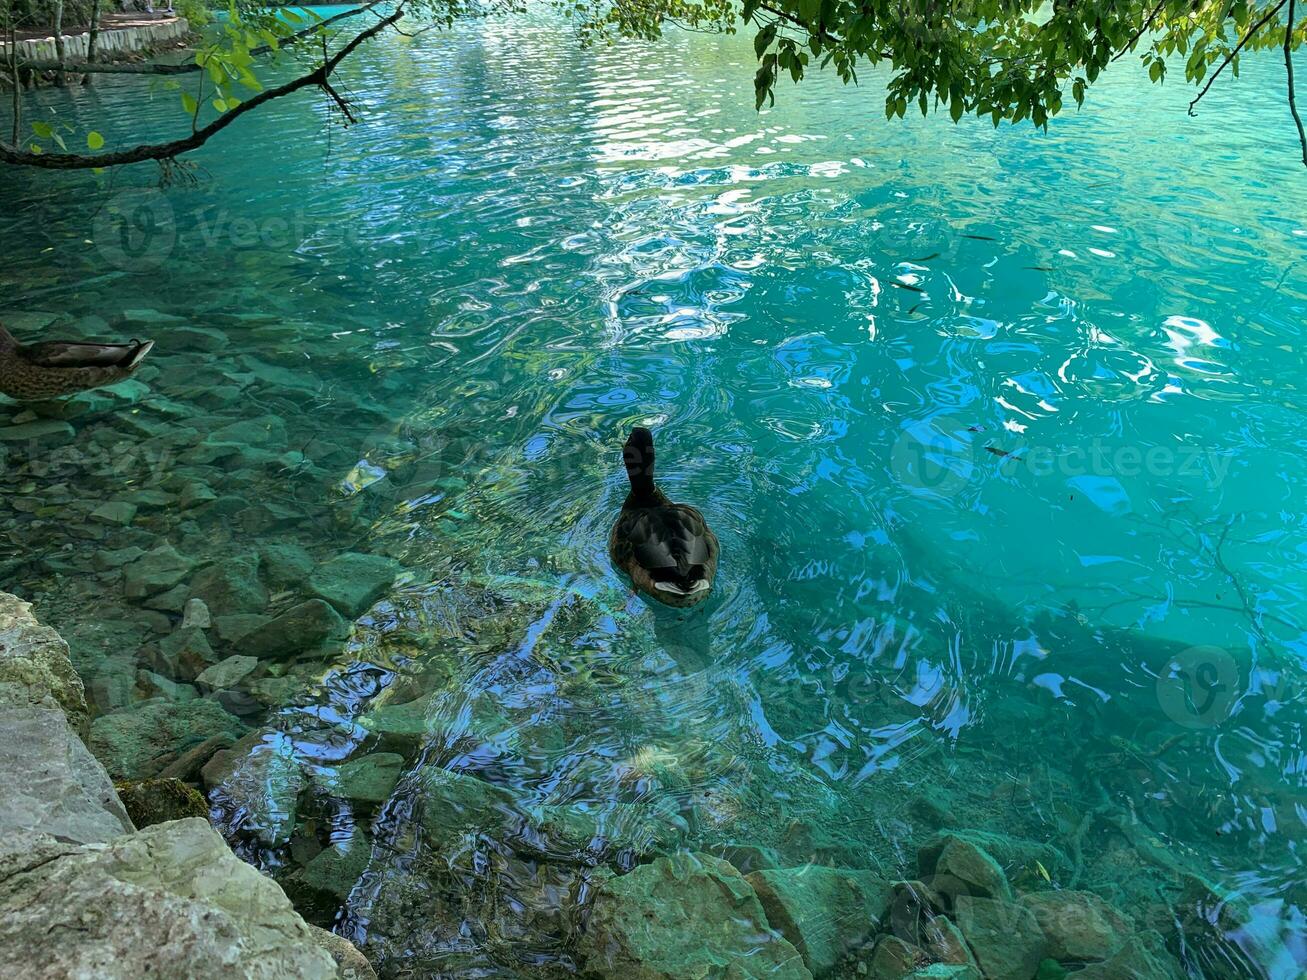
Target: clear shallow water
{"points": [[835, 326]]}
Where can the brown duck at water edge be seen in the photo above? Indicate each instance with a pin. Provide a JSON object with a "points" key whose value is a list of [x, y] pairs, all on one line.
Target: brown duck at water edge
{"points": [[667, 549], [31, 372]]}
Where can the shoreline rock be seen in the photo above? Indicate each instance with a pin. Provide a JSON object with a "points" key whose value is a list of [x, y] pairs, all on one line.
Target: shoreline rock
{"points": [[84, 893]]}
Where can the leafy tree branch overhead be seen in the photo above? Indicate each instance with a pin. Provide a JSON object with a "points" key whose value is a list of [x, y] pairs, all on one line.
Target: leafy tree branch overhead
{"points": [[1014, 59], [1005, 60]]}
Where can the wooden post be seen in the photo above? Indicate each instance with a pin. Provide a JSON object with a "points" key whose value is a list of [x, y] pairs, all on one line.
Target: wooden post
{"points": [[91, 38], [59, 78]]}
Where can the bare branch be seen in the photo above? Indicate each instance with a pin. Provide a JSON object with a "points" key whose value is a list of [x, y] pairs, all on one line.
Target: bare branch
{"points": [[168, 151], [1130, 45], [1288, 72], [340, 103], [1235, 53]]}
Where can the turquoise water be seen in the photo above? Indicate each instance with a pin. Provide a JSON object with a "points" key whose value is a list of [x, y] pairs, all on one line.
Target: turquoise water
{"points": [[1001, 432]]}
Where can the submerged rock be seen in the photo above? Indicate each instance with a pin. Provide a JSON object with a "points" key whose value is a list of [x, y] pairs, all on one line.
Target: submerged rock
{"points": [[146, 318], [232, 629], [116, 512], [684, 915], [603, 830], [231, 586], [971, 857], [955, 865], [187, 653], [945, 971], [169, 901], [301, 628], [285, 565], [126, 741], [369, 779], [1005, 937], [154, 685], [47, 432], [156, 571], [353, 582], [226, 674], [34, 663], [454, 804], [823, 912], [189, 764], [195, 614], [1080, 926], [895, 958], [1142, 957], [259, 781], [152, 801], [268, 431], [330, 876]]}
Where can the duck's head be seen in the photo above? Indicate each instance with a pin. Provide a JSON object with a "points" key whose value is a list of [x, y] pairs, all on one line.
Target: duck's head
{"points": [[638, 458]]}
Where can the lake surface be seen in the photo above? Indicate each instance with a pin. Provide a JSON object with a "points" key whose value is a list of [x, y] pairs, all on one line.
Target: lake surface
{"points": [[1002, 433]]}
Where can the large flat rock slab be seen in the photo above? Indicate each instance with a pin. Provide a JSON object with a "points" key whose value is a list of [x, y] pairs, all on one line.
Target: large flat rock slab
{"points": [[168, 901], [50, 782]]}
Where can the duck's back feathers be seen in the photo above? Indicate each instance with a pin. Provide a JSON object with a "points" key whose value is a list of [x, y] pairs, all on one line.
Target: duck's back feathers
{"points": [[66, 354], [30, 372], [668, 551], [668, 536]]}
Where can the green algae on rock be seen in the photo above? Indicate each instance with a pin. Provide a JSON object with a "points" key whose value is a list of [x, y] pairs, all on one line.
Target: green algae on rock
{"points": [[152, 801], [35, 658], [130, 739]]}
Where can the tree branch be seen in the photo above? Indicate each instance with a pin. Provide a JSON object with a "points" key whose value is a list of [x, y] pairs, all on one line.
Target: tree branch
{"points": [[1141, 32], [1235, 53], [167, 151], [87, 68], [1288, 72], [340, 103]]}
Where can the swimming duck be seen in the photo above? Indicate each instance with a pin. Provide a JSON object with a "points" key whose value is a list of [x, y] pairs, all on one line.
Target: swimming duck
{"points": [[667, 549], [31, 372]]}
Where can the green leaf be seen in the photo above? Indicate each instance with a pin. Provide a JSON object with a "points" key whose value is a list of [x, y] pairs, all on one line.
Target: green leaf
{"points": [[59, 140], [94, 140], [220, 105], [43, 130], [189, 103], [35, 148]]}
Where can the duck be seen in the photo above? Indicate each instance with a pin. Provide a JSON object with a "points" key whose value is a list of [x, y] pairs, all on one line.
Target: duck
{"points": [[55, 368], [666, 549]]}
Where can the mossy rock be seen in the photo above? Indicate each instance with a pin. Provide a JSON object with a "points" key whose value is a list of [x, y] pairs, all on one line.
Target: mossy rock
{"points": [[151, 801]]}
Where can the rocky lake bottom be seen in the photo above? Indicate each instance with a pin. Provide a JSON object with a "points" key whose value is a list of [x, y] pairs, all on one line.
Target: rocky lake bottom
{"points": [[473, 770]]}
